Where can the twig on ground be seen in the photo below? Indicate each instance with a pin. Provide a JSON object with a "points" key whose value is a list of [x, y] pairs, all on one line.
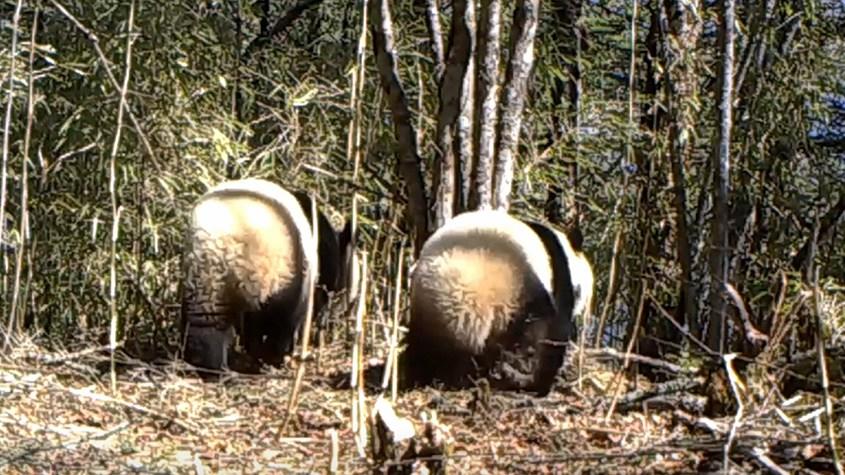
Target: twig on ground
{"points": [[737, 388], [84, 393], [596, 353]]}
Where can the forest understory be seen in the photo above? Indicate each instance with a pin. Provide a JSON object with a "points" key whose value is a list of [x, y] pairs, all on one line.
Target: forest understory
{"points": [[696, 148]]}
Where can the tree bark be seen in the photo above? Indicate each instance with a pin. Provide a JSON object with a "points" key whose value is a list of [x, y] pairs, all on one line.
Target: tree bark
{"points": [[486, 104], [381, 28], [721, 161], [452, 99], [681, 87], [432, 22], [466, 120], [516, 80]]}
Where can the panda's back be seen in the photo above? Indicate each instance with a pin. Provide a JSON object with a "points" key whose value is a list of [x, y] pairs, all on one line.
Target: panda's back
{"points": [[474, 275]]}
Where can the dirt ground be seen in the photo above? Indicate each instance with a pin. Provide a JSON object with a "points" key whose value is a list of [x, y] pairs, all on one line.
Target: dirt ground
{"points": [[58, 414]]}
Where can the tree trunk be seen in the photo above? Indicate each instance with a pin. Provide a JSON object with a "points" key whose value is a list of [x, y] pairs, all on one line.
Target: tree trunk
{"points": [[516, 80], [432, 22], [466, 123], [486, 104], [409, 160], [453, 89], [681, 87], [721, 161]]}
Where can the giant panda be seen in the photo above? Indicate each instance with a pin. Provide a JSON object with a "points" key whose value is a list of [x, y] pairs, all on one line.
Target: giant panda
{"points": [[488, 287], [336, 272], [248, 266]]}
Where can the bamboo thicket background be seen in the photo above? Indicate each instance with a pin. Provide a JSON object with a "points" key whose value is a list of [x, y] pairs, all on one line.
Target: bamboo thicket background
{"points": [[230, 89]]}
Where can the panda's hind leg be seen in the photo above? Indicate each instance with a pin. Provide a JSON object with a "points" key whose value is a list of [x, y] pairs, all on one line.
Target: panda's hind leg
{"points": [[547, 333], [269, 331], [428, 359]]}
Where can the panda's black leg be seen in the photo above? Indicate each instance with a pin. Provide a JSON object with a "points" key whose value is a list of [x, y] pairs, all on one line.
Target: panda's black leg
{"points": [[547, 333], [207, 346], [427, 361], [278, 334], [252, 335]]}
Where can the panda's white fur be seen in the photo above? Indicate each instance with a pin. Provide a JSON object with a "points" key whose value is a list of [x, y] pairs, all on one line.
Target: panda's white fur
{"points": [[249, 241], [479, 275], [474, 274], [581, 273]]}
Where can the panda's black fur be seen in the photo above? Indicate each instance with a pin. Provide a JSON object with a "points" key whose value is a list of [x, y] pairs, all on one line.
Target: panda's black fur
{"points": [[331, 248], [249, 263], [491, 294]]}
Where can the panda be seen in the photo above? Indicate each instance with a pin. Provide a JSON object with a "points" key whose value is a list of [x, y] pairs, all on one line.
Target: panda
{"points": [[249, 263], [333, 249], [489, 290]]}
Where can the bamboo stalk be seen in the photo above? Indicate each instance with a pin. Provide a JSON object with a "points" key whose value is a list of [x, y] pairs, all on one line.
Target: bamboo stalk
{"points": [[389, 377], [116, 210], [306, 331], [15, 323], [7, 121], [359, 420]]}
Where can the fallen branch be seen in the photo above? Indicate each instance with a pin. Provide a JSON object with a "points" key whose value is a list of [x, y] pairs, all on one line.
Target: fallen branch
{"points": [[615, 354]]}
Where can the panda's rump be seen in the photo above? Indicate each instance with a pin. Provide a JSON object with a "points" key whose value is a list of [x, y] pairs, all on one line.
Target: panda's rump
{"points": [[254, 246], [244, 254], [467, 296]]}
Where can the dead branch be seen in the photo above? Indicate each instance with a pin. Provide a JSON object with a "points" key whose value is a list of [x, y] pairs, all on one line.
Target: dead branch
{"points": [[752, 334], [613, 353], [830, 432]]}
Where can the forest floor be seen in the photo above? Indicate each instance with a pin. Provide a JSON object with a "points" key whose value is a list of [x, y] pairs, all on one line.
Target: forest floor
{"points": [[58, 414]]}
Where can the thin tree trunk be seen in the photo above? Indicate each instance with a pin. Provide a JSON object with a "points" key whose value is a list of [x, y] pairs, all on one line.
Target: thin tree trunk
{"points": [[516, 81], [409, 160], [432, 22], [237, 100], [458, 66], [4, 168], [719, 252], [681, 76], [486, 104], [465, 126]]}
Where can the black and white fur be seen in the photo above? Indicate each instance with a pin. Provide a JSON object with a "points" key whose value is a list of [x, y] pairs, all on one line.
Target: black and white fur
{"points": [[338, 261], [488, 286], [249, 264]]}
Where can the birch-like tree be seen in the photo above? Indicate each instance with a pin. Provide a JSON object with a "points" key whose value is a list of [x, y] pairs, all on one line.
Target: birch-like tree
{"points": [[721, 163], [479, 113]]}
